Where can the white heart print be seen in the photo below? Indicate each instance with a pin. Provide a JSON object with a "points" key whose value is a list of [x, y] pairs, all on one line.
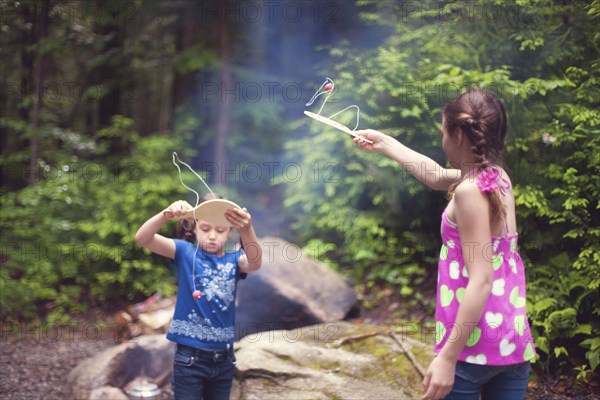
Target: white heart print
{"points": [[513, 265], [495, 245], [506, 348], [493, 320], [480, 359], [498, 287], [454, 269]]}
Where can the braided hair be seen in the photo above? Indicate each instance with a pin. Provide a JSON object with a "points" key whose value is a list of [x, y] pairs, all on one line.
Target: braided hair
{"points": [[480, 115]]}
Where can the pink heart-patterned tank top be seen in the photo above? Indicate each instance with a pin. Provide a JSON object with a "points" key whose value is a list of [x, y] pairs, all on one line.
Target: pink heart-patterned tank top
{"points": [[502, 336]]}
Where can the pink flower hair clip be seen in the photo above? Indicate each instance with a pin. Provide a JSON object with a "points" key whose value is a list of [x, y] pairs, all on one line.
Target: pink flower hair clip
{"points": [[491, 179]]}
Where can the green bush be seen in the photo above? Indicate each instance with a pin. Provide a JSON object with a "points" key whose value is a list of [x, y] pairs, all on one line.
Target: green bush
{"points": [[68, 239], [386, 224]]}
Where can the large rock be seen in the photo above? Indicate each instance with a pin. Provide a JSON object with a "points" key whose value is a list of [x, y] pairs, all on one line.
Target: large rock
{"points": [[290, 290], [153, 316], [330, 361], [336, 360], [107, 374]]}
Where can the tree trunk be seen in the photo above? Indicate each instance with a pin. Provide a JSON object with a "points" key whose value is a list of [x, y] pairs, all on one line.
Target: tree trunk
{"points": [[41, 28], [224, 122], [109, 74], [186, 33]]}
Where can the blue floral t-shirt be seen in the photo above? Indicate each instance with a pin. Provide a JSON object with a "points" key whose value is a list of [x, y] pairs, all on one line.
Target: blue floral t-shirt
{"points": [[206, 323]]}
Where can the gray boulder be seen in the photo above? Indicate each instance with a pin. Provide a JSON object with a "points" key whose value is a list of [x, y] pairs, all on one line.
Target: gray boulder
{"points": [[337, 360], [290, 290]]}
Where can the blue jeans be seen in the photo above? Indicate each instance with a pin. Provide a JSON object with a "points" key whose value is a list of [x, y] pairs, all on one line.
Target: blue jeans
{"points": [[492, 382], [202, 374]]}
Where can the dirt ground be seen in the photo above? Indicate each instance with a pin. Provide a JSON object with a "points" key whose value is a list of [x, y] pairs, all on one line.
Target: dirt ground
{"points": [[36, 359]]}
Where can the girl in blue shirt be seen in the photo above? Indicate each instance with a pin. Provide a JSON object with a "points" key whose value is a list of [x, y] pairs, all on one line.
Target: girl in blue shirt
{"points": [[204, 318]]}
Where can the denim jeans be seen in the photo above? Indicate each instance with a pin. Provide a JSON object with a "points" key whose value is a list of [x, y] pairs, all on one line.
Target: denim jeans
{"points": [[492, 382], [202, 374]]}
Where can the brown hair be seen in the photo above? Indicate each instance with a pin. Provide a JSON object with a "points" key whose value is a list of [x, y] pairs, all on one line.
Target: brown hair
{"points": [[186, 229], [480, 115]]}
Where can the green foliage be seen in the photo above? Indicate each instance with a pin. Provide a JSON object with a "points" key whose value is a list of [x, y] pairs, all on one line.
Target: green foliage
{"points": [[543, 63], [195, 58], [67, 236], [68, 239]]}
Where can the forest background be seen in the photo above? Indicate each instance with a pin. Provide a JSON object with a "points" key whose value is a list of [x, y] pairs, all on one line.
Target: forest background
{"points": [[95, 97]]}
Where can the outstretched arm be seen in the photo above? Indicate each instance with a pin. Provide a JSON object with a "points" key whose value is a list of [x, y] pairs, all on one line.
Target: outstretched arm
{"points": [[147, 236], [420, 166], [242, 221]]}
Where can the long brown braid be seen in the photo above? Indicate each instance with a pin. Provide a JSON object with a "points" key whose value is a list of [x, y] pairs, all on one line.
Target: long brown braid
{"points": [[480, 115]]}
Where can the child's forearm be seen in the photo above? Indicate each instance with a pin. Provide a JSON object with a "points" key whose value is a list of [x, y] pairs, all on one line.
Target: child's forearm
{"points": [[420, 166], [471, 308], [252, 248], [151, 227]]}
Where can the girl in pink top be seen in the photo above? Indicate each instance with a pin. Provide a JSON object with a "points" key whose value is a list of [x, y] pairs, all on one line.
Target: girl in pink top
{"points": [[483, 341]]}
